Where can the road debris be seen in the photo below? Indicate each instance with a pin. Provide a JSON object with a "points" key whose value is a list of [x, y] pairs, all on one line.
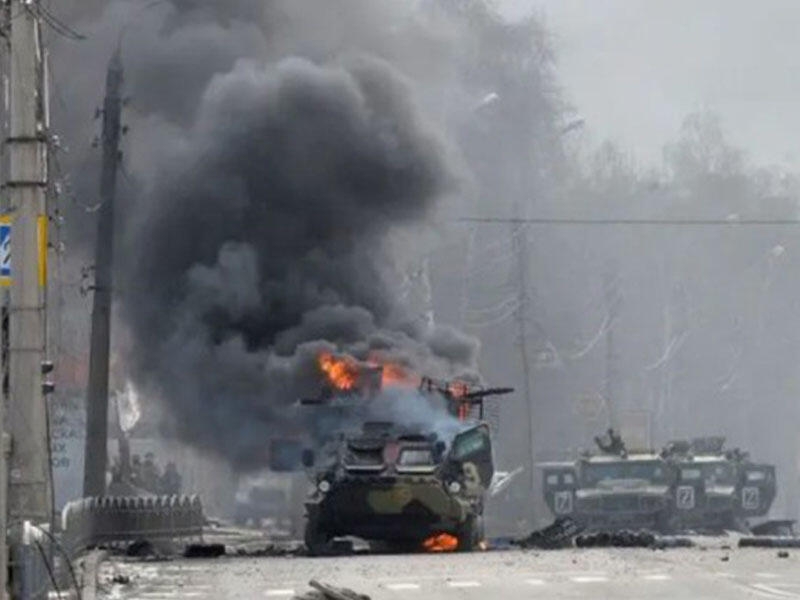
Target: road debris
{"points": [[774, 528], [769, 542], [140, 549], [273, 550], [324, 591], [783, 554], [559, 534], [630, 539], [204, 551]]}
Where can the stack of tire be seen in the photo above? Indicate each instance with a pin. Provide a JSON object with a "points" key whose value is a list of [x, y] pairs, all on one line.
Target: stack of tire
{"points": [[108, 520]]}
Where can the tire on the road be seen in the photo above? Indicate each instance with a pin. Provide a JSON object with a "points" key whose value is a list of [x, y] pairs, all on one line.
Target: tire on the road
{"points": [[317, 540], [470, 534]]}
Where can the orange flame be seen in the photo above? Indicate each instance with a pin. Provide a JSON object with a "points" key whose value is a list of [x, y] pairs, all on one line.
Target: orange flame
{"points": [[395, 375], [441, 542], [342, 371]]}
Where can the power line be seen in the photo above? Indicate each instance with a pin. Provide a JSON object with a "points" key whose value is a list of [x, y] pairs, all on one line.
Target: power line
{"points": [[58, 25], [64, 555], [49, 569], [676, 222]]}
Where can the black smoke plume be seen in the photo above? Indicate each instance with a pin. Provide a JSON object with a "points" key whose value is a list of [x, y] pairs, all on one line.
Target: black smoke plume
{"points": [[262, 241]]}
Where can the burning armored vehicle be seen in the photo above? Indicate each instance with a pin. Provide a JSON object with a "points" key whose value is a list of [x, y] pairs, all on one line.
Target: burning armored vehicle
{"points": [[401, 484], [696, 485]]}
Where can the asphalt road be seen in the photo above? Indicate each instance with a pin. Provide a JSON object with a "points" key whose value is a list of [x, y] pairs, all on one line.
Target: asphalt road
{"points": [[697, 573]]}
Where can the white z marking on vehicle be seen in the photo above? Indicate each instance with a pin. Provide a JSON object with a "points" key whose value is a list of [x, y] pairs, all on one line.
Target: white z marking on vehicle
{"points": [[750, 498], [563, 503], [685, 497]]}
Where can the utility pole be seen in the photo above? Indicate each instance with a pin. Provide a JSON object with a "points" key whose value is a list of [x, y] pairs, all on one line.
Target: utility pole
{"points": [[5, 438], [30, 492], [520, 274], [613, 300], [96, 449]]}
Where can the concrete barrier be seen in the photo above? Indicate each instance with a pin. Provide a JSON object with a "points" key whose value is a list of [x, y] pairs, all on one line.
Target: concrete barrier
{"points": [[109, 520]]}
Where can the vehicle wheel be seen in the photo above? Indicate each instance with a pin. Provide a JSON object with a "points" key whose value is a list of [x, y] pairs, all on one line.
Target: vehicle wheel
{"points": [[316, 539], [480, 531], [666, 524], [470, 534], [395, 546]]}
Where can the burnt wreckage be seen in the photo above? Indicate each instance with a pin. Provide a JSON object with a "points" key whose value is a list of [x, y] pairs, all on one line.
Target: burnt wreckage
{"points": [[690, 485], [402, 485]]}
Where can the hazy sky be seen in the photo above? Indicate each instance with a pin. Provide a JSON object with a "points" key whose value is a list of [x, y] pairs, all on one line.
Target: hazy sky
{"points": [[634, 68]]}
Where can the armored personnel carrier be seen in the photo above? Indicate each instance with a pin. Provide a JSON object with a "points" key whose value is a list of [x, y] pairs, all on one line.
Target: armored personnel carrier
{"points": [[611, 490], [400, 484], [717, 488], [690, 485], [630, 491], [403, 487]]}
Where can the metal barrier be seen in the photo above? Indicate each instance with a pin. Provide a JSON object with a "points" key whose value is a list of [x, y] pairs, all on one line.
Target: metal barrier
{"points": [[109, 520]]}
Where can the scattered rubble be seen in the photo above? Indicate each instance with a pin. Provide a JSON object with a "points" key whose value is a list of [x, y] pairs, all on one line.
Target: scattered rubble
{"points": [[769, 542], [630, 539], [204, 551], [140, 549], [553, 537], [564, 533], [273, 550], [774, 528], [324, 591]]}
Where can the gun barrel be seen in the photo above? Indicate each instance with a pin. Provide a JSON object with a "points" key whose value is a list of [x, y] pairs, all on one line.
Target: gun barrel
{"points": [[480, 394]]}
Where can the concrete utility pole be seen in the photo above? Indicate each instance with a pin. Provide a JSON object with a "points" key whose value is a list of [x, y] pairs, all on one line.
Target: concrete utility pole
{"points": [[96, 453], [30, 493]]}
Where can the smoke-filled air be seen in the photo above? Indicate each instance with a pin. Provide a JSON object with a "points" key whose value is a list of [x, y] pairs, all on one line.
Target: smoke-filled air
{"points": [[294, 181]]}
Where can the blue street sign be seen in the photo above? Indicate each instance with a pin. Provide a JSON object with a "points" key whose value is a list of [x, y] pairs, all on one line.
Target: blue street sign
{"points": [[5, 250]]}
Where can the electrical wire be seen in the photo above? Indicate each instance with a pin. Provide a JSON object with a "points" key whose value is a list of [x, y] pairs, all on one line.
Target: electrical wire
{"points": [[49, 568], [668, 222], [64, 554], [57, 24], [59, 173]]}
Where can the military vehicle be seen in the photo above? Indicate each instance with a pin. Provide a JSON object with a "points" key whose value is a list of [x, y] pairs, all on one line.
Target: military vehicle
{"points": [[621, 492], [611, 490], [405, 486], [715, 488], [690, 485]]}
